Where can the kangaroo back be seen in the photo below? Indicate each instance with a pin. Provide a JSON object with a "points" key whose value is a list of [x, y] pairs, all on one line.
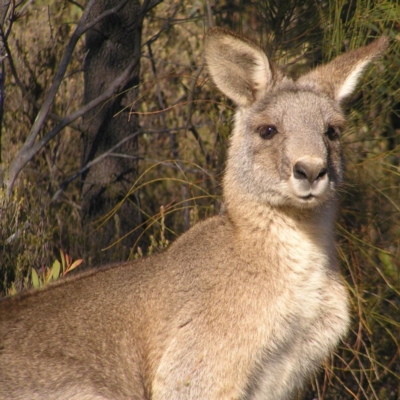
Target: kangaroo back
{"points": [[245, 305]]}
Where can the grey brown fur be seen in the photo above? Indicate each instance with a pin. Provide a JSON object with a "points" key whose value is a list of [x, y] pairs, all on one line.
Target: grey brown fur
{"points": [[246, 305]]}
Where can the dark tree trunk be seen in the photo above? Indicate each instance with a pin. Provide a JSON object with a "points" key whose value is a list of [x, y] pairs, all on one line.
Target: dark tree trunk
{"points": [[111, 45]]}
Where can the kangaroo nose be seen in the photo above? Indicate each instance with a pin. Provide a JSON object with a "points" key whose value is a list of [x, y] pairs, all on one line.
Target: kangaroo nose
{"points": [[310, 170]]}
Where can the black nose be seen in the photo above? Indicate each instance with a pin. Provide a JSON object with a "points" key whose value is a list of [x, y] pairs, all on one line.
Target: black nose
{"points": [[310, 171]]}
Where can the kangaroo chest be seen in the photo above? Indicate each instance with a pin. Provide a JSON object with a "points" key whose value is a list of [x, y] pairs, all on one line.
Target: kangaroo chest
{"points": [[306, 317]]}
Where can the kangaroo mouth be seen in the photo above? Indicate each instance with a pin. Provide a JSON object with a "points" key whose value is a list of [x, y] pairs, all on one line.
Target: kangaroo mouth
{"points": [[308, 197]]}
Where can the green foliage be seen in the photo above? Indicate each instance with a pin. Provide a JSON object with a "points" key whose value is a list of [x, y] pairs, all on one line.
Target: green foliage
{"points": [[46, 275], [26, 235], [31, 229], [55, 272]]}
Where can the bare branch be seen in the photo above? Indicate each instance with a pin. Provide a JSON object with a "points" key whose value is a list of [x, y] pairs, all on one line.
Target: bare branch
{"points": [[189, 123], [209, 14], [111, 153], [48, 102], [81, 28], [23, 7], [148, 5], [30, 148], [4, 7], [166, 25], [27, 151], [11, 61], [93, 162], [75, 3], [25, 93]]}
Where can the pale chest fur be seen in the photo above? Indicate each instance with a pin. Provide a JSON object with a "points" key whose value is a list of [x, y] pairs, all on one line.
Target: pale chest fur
{"points": [[307, 315]]}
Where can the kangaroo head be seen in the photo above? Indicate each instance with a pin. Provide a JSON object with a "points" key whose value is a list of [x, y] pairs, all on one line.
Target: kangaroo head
{"points": [[285, 148]]}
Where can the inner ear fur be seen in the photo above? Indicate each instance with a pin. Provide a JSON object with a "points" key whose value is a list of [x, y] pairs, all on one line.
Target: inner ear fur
{"points": [[339, 78], [238, 67]]}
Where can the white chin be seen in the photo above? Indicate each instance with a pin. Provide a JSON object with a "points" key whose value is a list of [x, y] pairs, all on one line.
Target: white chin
{"points": [[307, 202]]}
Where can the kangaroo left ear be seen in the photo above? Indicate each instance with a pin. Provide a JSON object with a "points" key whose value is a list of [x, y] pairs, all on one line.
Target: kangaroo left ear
{"points": [[339, 78], [238, 67]]}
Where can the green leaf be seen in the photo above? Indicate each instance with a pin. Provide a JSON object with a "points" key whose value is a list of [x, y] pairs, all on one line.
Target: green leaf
{"points": [[388, 265], [62, 260], [55, 270], [35, 279]]}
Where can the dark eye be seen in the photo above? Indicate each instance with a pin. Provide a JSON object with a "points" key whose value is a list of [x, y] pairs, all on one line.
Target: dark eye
{"points": [[333, 132], [267, 131]]}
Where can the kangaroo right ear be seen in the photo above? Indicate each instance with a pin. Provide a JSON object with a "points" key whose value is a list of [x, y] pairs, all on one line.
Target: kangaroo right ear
{"points": [[239, 68], [339, 78]]}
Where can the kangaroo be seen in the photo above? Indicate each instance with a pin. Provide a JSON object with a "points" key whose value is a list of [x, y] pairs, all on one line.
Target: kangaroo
{"points": [[245, 305]]}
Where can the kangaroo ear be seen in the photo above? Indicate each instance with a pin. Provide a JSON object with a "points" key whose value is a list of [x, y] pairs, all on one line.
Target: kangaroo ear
{"points": [[239, 68], [339, 78]]}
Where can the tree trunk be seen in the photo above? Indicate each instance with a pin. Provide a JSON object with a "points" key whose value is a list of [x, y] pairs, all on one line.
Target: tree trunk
{"points": [[111, 45]]}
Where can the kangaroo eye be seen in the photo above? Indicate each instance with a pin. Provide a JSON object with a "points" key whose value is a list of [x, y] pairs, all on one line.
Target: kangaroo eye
{"points": [[333, 132], [267, 131]]}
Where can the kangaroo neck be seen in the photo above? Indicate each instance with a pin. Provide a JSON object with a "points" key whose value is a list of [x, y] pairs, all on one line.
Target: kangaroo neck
{"points": [[262, 221]]}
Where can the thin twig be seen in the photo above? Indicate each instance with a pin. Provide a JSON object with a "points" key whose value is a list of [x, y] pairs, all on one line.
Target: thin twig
{"points": [[189, 122], [111, 153], [26, 153], [30, 148], [81, 28], [209, 14], [166, 25], [48, 102], [90, 164], [75, 3], [25, 93]]}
